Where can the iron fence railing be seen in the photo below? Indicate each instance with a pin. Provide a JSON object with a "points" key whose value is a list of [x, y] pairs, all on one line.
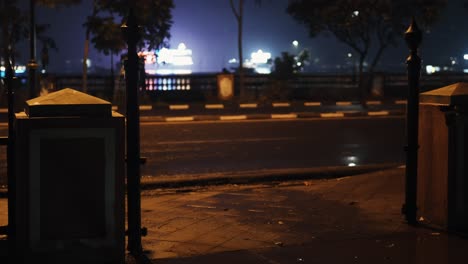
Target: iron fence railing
{"points": [[203, 87]]}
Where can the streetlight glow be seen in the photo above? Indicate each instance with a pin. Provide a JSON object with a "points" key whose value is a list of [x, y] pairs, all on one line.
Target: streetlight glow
{"points": [[295, 43]]}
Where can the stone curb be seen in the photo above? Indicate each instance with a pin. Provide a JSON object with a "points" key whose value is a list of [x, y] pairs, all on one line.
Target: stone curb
{"points": [[248, 177]]}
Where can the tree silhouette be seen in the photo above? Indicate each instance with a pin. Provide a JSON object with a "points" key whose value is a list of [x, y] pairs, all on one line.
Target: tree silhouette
{"points": [[364, 25], [103, 25], [15, 28], [239, 15]]}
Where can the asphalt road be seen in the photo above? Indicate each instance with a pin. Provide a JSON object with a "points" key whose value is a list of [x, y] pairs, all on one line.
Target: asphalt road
{"points": [[222, 146], [175, 148]]}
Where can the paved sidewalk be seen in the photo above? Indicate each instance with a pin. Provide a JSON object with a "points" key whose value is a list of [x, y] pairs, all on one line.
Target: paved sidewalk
{"points": [[345, 220], [353, 219]]}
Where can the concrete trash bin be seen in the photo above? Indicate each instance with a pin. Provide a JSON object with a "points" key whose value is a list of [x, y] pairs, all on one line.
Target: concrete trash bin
{"points": [[69, 187], [442, 174]]}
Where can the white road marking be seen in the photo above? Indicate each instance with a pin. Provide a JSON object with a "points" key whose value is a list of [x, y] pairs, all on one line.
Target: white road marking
{"points": [[378, 113], [178, 107], [248, 105], [343, 103], [281, 104], [283, 116], [331, 115], [214, 106], [312, 104], [180, 119], [234, 117], [146, 107]]}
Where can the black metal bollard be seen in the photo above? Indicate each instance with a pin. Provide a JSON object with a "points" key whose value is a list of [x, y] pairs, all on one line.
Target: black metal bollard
{"points": [[11, 178], [130, 30], [32, 64], [413, 37]]}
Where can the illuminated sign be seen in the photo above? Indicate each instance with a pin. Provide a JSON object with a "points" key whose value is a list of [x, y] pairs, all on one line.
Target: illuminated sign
{"points": [[179, 57], [260, 57]]}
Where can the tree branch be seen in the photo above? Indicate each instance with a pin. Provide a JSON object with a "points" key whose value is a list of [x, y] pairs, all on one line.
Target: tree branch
{"points": [[234, 11]]}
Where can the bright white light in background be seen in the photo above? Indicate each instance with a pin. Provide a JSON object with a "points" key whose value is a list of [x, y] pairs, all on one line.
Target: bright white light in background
{"points": [[262, 70], [172, 71], [355, 13], [295, 43], [453, 60], [351, 161], [432, 69], [350, 55], [181, 46], [465, 56], [259, 62], [179, 57], [260, 57], [88, 62], [19, 69]]}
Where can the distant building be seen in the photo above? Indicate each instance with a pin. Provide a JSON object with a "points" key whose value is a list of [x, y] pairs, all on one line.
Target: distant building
{"points": [[168, 61]]}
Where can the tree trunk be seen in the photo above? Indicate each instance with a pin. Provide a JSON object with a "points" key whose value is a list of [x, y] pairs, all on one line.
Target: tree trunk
{"points": [[85, 65], [368, 85], [112, 80], [240, 49], [362, 82], [86, 51]]}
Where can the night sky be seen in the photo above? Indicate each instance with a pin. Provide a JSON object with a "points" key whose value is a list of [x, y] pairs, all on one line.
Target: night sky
{"points": [[209, 28]]}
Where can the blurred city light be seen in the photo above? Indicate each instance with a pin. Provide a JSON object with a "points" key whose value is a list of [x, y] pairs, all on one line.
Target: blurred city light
{"points": [[351, 161], [260, 57], [432, 69], [168, 61], [19, 69], [180, 56]]}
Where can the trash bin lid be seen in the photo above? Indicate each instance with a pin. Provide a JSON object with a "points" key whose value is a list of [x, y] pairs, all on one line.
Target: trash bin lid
{"points": [[68, 102], [455, 94]]}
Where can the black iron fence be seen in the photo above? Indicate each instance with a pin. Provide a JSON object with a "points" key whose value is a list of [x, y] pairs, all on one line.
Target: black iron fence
{"points": [[204, 87]]}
